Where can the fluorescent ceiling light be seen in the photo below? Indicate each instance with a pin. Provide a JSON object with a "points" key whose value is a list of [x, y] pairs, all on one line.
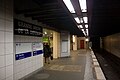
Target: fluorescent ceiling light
{"points": [[86, 39], [84, 33], [77, 20], [81, 20], [82, 30], [83, 5], [86, 26], [69, 5], [85, 19], [80, 26], [87, 31]]}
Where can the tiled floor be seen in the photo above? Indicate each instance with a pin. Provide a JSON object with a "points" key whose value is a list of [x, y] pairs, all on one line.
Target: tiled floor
{"points": [[70, 68]]}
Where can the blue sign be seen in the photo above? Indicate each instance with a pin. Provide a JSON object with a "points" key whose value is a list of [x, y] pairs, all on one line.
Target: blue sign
{"points": [[37, 52], [23, 55]]}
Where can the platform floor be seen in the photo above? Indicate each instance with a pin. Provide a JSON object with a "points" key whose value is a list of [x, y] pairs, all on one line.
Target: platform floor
{"points": [[75, 67]]}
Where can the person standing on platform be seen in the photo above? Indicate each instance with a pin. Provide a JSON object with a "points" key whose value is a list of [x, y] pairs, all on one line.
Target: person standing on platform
{"points": [[47, 53]]}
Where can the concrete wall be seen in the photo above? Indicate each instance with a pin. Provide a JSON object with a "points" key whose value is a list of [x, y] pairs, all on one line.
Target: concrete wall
{"points": [[112, 44], [6, 39]]}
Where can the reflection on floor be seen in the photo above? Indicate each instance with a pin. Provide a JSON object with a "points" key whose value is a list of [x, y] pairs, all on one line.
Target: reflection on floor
{"points": [[72, 68]]}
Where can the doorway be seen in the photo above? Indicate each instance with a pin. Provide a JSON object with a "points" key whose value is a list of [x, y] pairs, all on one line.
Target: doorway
{"points": [[81, 44]]}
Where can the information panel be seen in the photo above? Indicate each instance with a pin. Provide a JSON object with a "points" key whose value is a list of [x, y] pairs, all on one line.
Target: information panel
{"points": [[64, 46], [24, 28], [37, 48], [23, 50]]}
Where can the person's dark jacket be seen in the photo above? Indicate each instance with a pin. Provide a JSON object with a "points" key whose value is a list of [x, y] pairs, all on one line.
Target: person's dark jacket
{"points": [[47, 51]]}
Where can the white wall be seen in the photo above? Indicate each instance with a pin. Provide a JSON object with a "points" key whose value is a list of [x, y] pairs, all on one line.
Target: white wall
{"points": [[65, 44], [6, 39], [26, 66]]}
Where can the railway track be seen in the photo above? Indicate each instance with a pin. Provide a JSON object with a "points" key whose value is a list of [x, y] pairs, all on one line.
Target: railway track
{"points": [[109, 63]]}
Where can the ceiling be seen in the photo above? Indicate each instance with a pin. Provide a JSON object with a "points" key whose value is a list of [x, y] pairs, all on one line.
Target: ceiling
{"points": [[105, 18], [103, 15], [51, 12]]}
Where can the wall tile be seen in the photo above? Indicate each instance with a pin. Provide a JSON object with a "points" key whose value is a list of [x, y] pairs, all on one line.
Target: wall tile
{"points": [[22, 66], [2, 61], [9, 71], [1, 36], [16, 76], [17, 62], [8, 36], [2, 48], [8, 48], [16, 69], [2, 24], [23, 73], [2, 73], [9, 59], [9, 78], [9, 25]]}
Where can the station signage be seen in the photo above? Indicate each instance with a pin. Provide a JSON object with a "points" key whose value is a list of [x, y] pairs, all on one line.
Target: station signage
{"points": [[25, 28], [26, 50], [23, 50], [37, 48]]}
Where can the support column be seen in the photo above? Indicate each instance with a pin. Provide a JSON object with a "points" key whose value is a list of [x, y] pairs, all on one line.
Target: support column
{"points": [[74, 42], [56, 44]]}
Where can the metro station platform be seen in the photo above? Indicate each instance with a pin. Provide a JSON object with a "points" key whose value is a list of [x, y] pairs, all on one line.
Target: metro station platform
{"points": [[79, 66]]}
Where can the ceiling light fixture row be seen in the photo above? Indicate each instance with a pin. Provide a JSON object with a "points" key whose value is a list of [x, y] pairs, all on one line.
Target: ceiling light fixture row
{"points": [[82, 21]]}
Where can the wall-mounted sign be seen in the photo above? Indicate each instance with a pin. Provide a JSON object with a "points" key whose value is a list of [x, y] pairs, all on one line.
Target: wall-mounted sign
{"points": [[23, 50], [37, 48], [24, 28]]}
